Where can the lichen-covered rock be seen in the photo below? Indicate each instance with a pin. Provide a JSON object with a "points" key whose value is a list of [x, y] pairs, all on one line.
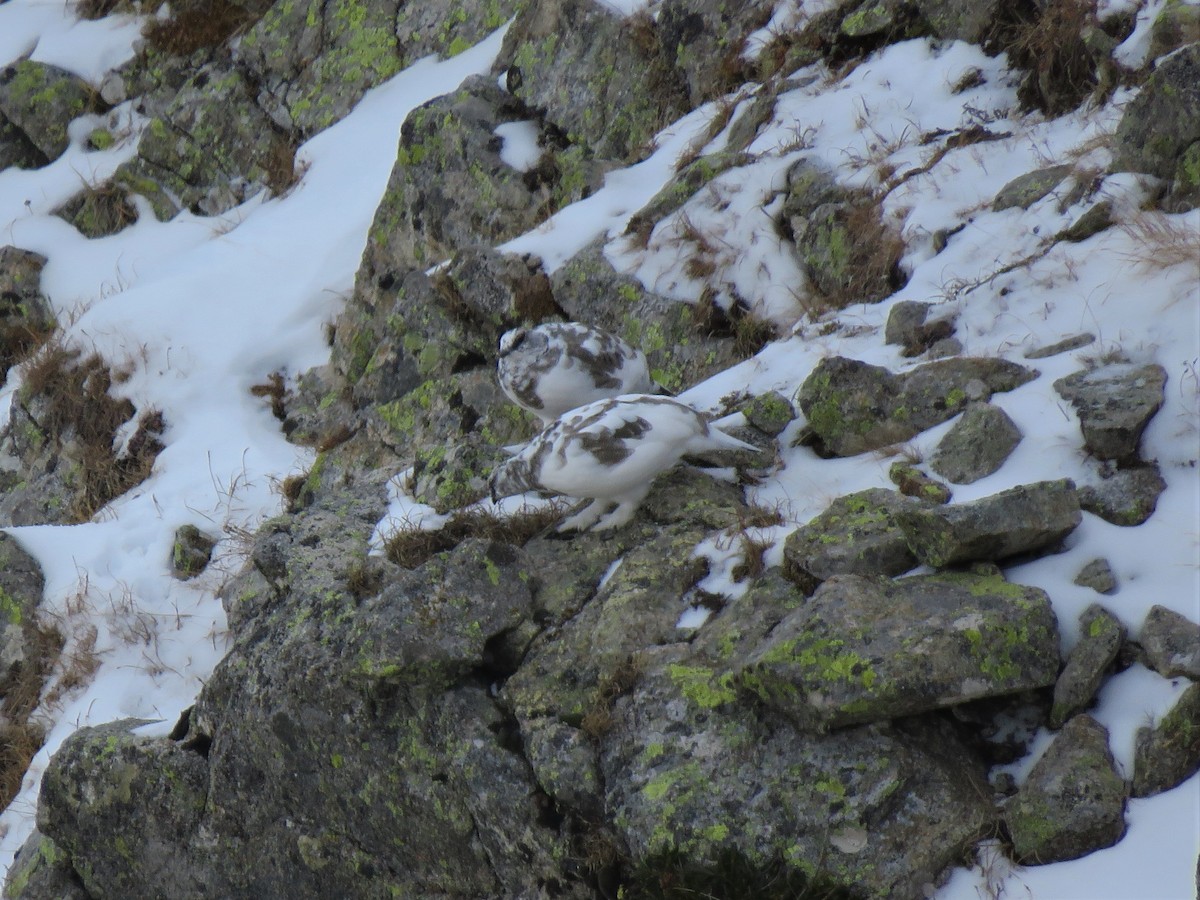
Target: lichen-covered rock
{"points": [[1098, 575], [863, 809], [41, 871], [1114, 403], [1169, 753], [964, 20], [1124, 497], [191, 552], [872, 649], [1066, 344], [607, 81], [211, 149], [1101, 636], [1026, 190], [1024, 519], [770, 413], [908, 325], [1163, 120], [912, 482], [856, 535], [41, 100], [1097, 218], [1072, 802], [977, 445], [854, 407], [25, 315], [709, 41], [848, 251], [16, 150], [99, 212], [1170, 643]]}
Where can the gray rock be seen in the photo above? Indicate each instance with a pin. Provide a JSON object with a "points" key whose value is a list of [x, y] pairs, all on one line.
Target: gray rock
{"points": [[191, 552], [1066, 344], [1126, 497], [1169, 753], [861, 809], [1024, 519], [26, 318], [99, 212], [1095, 220], [41, 871], [770, 413], [1026, 190], [1114, 403], [1177, 24], [1185, 188], [681, 188], [16, 150], [849, 253], [872, 649], [609, 83], [1073, 801], [41, 100], [1098, 575], [1101, 636], [1170, 643], [962, 20], [1163, 120], [708, 38], [869, 20], [854, 407], [912, 482], [977, 445], [563, 759], [856, 535], [908, 325]]}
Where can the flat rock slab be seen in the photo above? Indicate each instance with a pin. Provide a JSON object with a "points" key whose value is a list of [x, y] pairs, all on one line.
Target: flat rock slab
{"points": [[977, 445], [1073, 801], [871, 649], [1169, 753], [1026, 190], [1023, 519], [854, 407], [856, 535], [1171, 643], [1128, 497], [1114, 403], [1102, 635]]}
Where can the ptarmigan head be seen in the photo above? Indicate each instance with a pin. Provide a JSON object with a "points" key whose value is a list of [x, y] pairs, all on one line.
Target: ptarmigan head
{"points": [[559, 366]]}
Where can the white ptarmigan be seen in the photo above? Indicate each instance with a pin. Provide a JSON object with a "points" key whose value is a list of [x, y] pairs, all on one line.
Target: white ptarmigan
{"points": [[609, 451], [558, 366]]}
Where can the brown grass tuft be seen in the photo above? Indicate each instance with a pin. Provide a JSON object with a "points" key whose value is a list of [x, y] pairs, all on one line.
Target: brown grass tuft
{"points": [[196, 26], [1062, 70], [409, 547], [597, 721]]}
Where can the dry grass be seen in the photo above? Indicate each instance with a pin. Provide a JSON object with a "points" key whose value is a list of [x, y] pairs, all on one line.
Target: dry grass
{"points": [[1062, 70], [200, 25], [275, 390], [867, 268], [410, 546], [1163, 241], [597, 721], [749, 332]]}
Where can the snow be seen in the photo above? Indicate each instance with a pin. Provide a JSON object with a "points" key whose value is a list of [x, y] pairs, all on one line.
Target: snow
{"points": [[520, 148], [200, 309]]}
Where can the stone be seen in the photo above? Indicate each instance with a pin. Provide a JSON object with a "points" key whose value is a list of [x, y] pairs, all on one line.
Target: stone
{"points": [[1177, 24], [962, 20], [853, 407], [1114, 404], [16, 150], [1101, 636], [1098, 575], [1125, 497], [100, 211], [1065, 345], [1168, 754], [41, 870], [41, 100], [1170, 643], [977, 445], [1025, 519], [770, 413], [709, 41], [191, 552], [869, 649], [856, 535], [849, 253], [1026, 190], [1073, 800], [869, 20], [908, 326], [912, 482], [1097, 219], [26, 318], [1163, 120]]}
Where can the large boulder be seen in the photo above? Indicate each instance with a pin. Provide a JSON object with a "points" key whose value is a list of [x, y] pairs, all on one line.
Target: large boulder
{"points": [[41, 100], [1115, 403]]}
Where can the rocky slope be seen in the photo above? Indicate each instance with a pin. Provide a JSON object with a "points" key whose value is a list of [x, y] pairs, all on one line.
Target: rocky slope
{"points": [[494, 710]]}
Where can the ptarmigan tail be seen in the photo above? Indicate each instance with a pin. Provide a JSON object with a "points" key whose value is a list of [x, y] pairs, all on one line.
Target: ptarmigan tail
{"points": [[714, 438]]}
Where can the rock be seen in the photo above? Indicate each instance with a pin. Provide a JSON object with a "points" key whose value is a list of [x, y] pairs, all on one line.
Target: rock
{"points": [[1114, 403], [1169, 753], [1126, 497], [962, 20], [607, 81], [1163, 120], [770, 413], [41, 871], [1066, 344], [191, 552], [868, 20], [873, 649], [912, 482], [849, 253], [1026, 190], [1177, 24], [1098, 575], [1024, 519], [211, 149], [854, 407], [861, 810], [41, 100], [16, 150], [1073, 800], [681, 188], [856, 535], [1170, 643], [908, 326], [99, 212], [1095, 220], [450, 188], [708, 38], [1101, 636], [564, 760], [26, 318], [977, 445]]}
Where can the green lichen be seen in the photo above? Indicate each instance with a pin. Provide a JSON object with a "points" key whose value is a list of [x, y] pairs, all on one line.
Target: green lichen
{"points": [[701, 686]]}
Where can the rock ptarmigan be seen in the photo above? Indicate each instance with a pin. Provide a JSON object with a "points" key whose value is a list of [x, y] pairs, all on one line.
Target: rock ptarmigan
{"points": [[609, 451], [558, 366]]}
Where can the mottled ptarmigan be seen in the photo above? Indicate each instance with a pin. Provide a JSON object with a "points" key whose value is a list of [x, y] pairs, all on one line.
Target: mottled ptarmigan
{"points": [[558, 366], [609, 451]]}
